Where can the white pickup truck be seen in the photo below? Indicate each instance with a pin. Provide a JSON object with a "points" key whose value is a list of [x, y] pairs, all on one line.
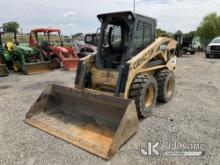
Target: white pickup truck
{"points": [[213, 49]]}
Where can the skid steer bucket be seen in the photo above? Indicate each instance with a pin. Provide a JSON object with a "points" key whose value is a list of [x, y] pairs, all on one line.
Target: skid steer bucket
{"points": [[93, 121], [70, 64], [3, 70], [35, 68]]}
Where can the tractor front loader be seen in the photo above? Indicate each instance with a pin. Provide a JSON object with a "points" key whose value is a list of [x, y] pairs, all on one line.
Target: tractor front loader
{"points": [[3, 55], [3, 70], [3, 67], [113, 88]]}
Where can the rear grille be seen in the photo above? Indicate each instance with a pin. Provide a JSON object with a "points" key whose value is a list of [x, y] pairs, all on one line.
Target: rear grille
{"points": [[215, 48]]}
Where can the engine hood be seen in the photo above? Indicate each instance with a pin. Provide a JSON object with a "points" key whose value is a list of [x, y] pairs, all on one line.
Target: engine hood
{"points": [[24, 47], [214, 44], [62, 49]]}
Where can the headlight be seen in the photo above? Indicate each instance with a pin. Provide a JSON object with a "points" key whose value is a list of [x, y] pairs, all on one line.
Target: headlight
{"points": [[208, 48]]}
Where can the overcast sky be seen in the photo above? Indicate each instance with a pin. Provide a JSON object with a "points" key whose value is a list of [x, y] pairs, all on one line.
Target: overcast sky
{"points": [[74, 16]]}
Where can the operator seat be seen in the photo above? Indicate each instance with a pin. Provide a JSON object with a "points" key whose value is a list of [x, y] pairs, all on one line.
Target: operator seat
{"points": [[45, 46]]}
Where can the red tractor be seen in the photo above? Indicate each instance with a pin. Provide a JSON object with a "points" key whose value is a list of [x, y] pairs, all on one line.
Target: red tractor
{"points": [[50, 43]]}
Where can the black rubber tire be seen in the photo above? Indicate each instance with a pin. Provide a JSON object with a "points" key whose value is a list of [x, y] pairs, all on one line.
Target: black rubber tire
{"points": [[163, 76], [138, 93], [184, 52], [192, 52], [55, 62], [207, 56]]}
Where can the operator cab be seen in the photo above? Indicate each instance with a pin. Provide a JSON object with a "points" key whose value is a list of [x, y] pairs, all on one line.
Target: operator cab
{"points": [[123, 34], [46, 38]]}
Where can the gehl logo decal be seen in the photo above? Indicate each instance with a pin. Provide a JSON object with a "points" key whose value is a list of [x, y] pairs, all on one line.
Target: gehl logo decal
{"points": [[144, 58], [163, 47], [108, 76]]}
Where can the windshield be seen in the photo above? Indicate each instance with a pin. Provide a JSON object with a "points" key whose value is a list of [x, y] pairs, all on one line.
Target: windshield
{"points": [[114, 43], [216, 40], [54, 39], [40, 37], [112, 36]]}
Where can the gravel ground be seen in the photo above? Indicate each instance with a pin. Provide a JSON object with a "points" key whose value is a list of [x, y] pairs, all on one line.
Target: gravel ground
{"points": [[193, 116]]}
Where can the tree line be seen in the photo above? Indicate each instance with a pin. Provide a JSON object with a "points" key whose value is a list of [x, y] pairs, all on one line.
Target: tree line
{"points": [[207, 30]]}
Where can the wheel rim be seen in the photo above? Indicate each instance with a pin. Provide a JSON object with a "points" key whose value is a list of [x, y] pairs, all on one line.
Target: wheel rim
{"points": [[169, 88], [149, 97], [15, 67]]}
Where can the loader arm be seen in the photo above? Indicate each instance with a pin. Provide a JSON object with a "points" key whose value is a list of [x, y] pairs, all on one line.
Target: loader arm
{"points": [[162, 50]]}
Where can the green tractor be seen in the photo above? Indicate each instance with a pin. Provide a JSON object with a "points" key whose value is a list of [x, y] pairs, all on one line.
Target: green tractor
{"points": [[28, 60], [25, 58], [4, 56], [3, 67]]}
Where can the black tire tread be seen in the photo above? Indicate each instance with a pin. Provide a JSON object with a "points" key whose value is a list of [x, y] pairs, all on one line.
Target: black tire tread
{"points": [[161, 77], [136, 92]]}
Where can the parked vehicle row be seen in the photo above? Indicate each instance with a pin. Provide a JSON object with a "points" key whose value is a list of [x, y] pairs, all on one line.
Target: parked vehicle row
{"points": [[44, 52]]}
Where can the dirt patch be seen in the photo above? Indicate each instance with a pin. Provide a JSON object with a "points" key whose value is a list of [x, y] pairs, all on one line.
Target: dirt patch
{"points": [[2, 87]]}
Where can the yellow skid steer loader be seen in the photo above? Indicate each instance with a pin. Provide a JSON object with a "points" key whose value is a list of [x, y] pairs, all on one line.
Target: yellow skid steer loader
{"points": [[113, 88]]}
